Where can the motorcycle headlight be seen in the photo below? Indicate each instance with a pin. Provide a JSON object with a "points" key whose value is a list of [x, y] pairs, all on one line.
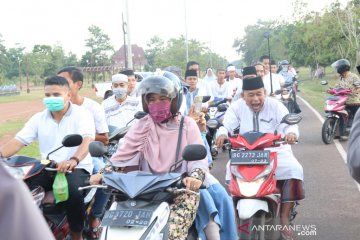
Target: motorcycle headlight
{"points": [[250, 189]]}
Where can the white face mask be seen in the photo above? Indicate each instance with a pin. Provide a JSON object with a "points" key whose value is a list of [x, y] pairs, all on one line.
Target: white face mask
{"points": [[120, 92]]}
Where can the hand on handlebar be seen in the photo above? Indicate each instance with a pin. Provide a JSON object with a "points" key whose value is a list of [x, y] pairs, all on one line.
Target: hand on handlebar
{"points": [[291, 138], [66, 166], [95, 179], [192, 183], [220, 140]]}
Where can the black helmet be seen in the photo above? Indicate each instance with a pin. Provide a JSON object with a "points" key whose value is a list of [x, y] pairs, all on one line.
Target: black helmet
{"points": [[341, 65], [163, 83]]}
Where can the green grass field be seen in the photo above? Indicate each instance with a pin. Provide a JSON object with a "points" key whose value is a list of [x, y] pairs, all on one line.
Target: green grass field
{"points": [[312, 90]]}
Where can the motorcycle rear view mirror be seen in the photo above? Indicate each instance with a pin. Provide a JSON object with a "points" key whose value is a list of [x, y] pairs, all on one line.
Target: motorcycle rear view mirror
{"points": [[72, 140], [97, 149], [194, 152], [140, 114], [212, 123], [277, 92], [291, 119], [206, 98], [324, 82], [222, 107]]}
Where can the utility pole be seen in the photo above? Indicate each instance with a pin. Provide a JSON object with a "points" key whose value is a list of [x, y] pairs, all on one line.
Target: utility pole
{"points": [[267, 36], [186, 34], [124, 31], [129, 50]]}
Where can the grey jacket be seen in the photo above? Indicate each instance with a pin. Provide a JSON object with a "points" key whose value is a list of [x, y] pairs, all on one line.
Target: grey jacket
{"points": [[353, 152]]}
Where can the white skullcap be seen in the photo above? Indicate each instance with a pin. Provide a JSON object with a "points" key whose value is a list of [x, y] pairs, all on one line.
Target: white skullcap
{"points": [[119, 78], [231, 68]]}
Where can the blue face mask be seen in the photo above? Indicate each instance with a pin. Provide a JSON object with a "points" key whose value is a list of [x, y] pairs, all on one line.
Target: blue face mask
{"points": [[54, 104], [120, 92]]}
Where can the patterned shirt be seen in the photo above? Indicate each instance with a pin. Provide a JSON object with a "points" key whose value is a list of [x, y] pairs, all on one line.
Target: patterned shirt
{"points": [[351, 81]]}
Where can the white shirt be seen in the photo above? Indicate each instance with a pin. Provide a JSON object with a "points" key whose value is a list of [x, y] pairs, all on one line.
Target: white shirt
{"points": [[49, 133], [98, 113], [236, 84], [275, 83], [119, 115], [266, 121], [220, 91]]}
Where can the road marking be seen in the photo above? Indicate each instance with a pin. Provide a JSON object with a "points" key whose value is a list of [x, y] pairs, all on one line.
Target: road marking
{"points": [[338, 145]]}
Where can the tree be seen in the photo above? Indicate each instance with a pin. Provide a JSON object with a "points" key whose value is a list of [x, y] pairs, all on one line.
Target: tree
{"points": [[100, 49], [154, 47], [4, 61]]}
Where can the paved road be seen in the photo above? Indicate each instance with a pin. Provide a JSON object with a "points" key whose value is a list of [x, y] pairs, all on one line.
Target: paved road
{"points": [[332, 198]]}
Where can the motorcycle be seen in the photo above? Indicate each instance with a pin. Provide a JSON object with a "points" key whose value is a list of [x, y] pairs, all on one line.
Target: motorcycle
{"points": [[26, 167], [141, 209], [214, 118], [335, 110], [115, 134], [253, 183], [288, 96]]}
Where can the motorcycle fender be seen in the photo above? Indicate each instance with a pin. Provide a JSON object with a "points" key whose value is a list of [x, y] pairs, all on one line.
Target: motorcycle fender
{"points": [[248, 207], [331, 115]]}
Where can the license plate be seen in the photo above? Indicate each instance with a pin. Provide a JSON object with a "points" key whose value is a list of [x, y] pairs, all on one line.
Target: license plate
{"points": [[241, 157], [128, 217]]}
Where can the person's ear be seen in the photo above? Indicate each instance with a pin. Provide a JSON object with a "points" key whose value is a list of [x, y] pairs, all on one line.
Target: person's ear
{"points": [[79, 84], [242, 94]]}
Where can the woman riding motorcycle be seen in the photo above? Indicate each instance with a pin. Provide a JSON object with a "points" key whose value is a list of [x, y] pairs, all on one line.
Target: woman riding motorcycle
{"points": [[150, 146]]}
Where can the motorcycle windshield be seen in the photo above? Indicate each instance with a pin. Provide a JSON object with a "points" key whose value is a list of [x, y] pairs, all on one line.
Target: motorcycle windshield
{"points": [[136, 183]]}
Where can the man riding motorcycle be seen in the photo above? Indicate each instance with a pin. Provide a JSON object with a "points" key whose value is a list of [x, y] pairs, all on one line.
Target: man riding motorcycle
{"points": [[348, 80], [49, 127], [257, 112]]}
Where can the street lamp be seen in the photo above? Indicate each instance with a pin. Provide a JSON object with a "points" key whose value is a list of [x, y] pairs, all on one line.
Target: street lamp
{"points": [[267, 36]]}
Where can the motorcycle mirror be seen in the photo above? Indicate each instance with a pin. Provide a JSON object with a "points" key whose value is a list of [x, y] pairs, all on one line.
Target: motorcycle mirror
{"points": [[277, 92], [212, 123], [97, 149], [72, 140], [194, 152], [222, 107], [291, 119], [323, 82], [205, 99], [140, 114]]}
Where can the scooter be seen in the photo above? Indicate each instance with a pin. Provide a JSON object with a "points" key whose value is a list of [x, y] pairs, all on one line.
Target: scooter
{"points": [[214, 118], [25, 167], [142, 209], [335, 110], [253, 183]]}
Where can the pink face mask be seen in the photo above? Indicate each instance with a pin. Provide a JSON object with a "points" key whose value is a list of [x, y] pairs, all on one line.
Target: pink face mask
{"points": [[160, 111]]}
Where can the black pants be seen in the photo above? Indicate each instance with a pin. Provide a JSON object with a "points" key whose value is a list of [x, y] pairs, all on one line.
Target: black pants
{"points": [[74, 206]]}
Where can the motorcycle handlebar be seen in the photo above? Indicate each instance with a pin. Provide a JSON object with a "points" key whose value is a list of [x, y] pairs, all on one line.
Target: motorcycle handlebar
{"points": [[92, 186], [54, 170]]}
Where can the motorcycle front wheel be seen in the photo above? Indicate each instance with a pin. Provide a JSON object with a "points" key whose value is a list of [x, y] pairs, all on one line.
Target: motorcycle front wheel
{"points": [[328, 130]]}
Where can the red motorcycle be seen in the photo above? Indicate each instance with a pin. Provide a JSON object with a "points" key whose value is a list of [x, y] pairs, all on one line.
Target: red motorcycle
{"points": [[253, 183], [335, 110]]}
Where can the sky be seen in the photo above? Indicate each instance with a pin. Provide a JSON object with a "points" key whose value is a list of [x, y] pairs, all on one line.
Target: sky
{"points": [[214, 22]]}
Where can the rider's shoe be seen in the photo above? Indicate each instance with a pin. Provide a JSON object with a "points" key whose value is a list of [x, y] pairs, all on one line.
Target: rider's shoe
{"points": [[344, 138]]}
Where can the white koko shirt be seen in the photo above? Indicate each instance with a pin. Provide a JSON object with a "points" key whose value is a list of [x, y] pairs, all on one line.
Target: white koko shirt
{"points": [[49, 133]]}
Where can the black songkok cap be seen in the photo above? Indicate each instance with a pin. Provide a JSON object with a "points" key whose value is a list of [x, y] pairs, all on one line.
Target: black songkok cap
{"points": [[252, 83], [190, 73], [249, 71], [128, 72]]}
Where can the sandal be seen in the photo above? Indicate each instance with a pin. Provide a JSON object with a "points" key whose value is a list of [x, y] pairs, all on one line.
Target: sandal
{"points": [[94, 232]]}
